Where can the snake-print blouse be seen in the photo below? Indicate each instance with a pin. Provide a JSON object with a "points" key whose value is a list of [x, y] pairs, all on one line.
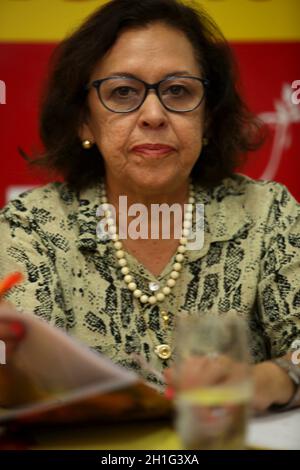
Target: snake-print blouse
{"points": [[249, 264]]}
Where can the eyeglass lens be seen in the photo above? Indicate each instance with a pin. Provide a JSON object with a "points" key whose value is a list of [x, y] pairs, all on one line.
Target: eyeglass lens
{"points": [[125, 94]]}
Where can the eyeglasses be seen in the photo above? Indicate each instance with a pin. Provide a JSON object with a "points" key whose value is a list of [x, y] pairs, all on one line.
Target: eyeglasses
{"points": [[180, 94]]}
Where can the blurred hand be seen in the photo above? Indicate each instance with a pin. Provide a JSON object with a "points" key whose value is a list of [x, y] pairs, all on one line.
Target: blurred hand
{"points": [[206, 371], [270, 384], [11, 333]]}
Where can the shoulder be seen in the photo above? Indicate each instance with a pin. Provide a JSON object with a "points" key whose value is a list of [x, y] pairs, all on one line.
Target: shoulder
{"points": [[239, 204], [244, 186], [256, 197], [41, 204], [54, 213]]}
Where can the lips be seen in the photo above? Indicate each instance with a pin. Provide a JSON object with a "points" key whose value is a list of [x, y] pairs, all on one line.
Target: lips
{"points": [[153, 149]]}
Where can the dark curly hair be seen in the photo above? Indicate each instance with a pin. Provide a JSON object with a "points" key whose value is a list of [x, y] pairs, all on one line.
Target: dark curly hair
{"points": [[232, 130]]}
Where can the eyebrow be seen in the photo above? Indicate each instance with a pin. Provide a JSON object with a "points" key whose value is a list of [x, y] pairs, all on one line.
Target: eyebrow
{"points": [[131, 75]]}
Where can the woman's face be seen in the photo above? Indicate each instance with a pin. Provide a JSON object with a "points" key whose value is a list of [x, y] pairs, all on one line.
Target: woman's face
{"points": [[149, 54]]}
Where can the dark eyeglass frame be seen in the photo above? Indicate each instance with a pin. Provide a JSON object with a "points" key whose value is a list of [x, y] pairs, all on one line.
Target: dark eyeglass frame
{"points": [[148, 86]]}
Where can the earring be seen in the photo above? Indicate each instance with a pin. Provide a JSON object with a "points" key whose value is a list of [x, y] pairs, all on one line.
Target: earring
{"points": [[204, 141], [86, 144]]}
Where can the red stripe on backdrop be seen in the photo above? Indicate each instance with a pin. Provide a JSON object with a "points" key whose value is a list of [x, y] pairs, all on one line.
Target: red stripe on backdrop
{"points": [[266, 70], [23, 68]]}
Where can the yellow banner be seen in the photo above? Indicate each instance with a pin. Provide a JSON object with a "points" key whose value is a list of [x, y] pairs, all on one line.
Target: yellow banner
{"points": [[240, 20]]}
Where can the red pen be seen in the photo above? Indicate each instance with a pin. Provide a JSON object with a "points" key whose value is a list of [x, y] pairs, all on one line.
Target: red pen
{"points": [[9, 282]]}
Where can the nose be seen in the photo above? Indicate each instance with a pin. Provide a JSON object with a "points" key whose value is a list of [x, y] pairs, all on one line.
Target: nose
{"points": [[152, 113]]}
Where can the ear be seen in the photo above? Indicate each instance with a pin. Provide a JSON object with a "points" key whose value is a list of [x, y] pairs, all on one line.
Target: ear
{"points": [[85, 132]]}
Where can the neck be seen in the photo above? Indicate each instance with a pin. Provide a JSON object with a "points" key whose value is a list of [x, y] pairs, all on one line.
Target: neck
{"points": [[123, 199], [170, 195]]}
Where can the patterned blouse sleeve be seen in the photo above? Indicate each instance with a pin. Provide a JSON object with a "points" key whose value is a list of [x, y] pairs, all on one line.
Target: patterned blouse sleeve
{"points": [[279, 286], [25, 248]]}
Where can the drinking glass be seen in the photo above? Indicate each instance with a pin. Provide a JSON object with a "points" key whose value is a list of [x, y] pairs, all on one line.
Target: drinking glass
{"points": [[212, 380]]}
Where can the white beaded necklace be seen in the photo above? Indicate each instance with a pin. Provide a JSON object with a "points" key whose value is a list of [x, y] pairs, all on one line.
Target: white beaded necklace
{"points": [[160, 293]]}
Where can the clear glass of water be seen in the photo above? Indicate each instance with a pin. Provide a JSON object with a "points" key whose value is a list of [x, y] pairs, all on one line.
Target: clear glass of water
{"points": [[212, 381]]}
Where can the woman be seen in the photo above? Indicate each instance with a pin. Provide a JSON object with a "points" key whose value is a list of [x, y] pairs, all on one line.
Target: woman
{"points": [[142, 101]]}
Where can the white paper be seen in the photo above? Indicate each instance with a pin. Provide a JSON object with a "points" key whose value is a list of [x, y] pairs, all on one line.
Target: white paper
{"points": [[58, 379], [54, 361], [276, 431]]}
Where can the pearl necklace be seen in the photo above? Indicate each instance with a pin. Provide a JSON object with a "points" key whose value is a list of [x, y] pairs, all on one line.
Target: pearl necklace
{"points": [[161, 293]]}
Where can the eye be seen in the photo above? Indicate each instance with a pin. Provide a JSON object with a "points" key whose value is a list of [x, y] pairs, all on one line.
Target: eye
{"points": [[177, 90], [124, 92]]}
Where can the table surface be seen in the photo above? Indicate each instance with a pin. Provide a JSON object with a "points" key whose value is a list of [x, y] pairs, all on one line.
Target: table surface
{"points": [[276, 431]]}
